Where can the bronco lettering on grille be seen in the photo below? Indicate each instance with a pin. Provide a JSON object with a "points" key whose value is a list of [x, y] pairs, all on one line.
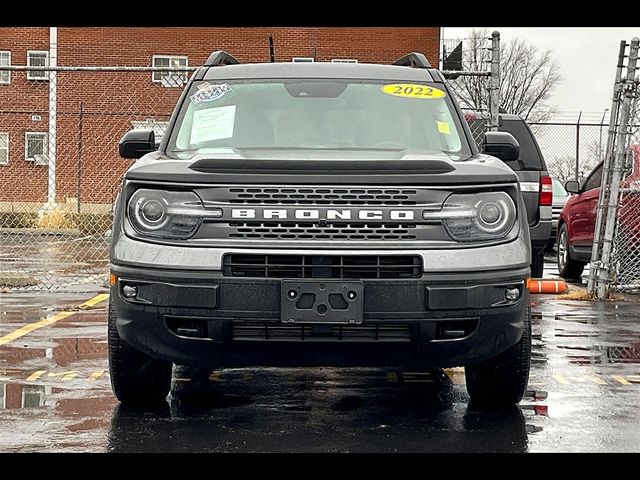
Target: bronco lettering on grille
{"points": [[322, 213]]}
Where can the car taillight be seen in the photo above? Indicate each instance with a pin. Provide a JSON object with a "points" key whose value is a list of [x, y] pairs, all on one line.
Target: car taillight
{"points": [[546, 191]]}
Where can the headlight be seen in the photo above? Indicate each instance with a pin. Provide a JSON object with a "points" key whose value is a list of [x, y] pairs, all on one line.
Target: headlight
{"points": [[477, 216], [165, 214]]}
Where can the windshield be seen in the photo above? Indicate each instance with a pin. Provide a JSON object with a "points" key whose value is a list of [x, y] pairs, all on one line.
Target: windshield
{"points": [[301, 117]]}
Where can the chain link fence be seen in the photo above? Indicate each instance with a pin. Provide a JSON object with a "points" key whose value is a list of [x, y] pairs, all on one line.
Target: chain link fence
{"points": [[571, 149], [625, 255], [615, 258], [60, 170], [475, 80]]}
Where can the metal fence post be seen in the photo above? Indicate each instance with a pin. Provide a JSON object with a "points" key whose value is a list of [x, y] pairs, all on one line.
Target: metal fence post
{"points": [[612, 203], [80, 146], [604, 182], [494, 85], [53, 123], [577, 172]]}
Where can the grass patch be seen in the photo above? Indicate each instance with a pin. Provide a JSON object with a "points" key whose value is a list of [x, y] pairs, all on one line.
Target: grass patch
{"points": [[581, 294], [18, 219], [577, 294], [55, 219], [91, 223]]}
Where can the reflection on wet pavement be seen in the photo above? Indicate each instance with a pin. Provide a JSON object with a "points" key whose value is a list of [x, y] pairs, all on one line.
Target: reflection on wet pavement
{"points": [[583, 394], [317, 410]]}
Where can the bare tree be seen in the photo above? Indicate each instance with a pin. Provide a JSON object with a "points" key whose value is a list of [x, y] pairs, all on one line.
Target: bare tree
{"points": [[563, 168], [595, 151], [528, 77]]}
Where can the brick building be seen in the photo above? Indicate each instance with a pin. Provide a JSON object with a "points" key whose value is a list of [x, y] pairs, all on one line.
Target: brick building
{"points": [[92, 110]]}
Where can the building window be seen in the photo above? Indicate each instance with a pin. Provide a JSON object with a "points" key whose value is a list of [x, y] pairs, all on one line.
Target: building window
{"points": [[5, 61], [302, 59], [169, 79], [38, 58], [4, 148], [36, 148], [344, 60]]}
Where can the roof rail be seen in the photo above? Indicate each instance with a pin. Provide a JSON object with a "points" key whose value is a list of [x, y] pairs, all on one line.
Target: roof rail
{"points": [[413, 59], [220, 58]]}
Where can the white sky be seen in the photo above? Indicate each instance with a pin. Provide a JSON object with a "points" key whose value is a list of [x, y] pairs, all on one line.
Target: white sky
{"points": [[587, 59]]}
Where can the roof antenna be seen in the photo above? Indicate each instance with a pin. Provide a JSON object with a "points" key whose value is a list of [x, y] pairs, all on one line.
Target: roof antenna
{"points": [[272, 51]]}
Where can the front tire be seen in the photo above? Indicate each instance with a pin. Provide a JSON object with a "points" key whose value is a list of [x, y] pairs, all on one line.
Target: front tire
{"points": [[568, 268], [136, 379], [502, 380]]}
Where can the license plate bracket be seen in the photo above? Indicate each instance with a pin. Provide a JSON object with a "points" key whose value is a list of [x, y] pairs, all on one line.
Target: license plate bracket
{"points": [[304, 301]]}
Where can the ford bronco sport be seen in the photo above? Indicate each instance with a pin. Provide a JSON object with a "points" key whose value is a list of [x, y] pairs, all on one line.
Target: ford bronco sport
{"points": [[319, 214]]}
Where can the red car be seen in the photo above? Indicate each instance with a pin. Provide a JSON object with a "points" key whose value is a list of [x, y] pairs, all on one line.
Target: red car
{"points": [[578, 218]]}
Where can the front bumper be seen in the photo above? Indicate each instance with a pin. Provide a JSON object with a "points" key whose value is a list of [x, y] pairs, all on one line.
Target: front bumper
{"points": [[238, 320]]}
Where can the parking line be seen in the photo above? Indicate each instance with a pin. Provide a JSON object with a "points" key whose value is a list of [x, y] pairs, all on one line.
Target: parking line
{"points": [[69, 376], [45, 322], [634, 378], [620, 379], [65, 375], [392, 377], [96, 375], [561, 380], [36, 375], [598, 381]]}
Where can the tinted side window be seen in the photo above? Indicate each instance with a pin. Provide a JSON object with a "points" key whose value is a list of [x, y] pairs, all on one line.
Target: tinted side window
{"points": [[594, 179], [529, 153]]}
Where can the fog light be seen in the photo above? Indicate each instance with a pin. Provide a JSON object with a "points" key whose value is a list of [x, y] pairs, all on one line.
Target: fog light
{"points": [[129, 291], [512, 294]]}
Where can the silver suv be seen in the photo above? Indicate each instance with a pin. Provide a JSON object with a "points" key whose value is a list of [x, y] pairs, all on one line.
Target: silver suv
{"points": [[313, 214]]}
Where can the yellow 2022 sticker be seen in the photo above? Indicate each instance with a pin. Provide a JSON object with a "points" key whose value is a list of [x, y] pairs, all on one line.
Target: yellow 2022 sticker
{"points": [[412, 90]]}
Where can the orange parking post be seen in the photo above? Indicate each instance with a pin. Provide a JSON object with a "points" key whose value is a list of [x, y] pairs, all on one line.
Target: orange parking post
{"points": [[545, 285]]}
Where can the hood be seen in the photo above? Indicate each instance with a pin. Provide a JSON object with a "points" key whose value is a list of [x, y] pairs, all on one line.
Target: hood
{"points": [[432, 169]]}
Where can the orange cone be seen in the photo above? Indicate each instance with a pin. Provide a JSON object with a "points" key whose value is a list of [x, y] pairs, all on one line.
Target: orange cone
{"points": [[547, 285]]}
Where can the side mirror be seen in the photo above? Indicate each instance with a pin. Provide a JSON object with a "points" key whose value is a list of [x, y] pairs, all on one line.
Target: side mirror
{"points": [[136, 143], [572, 186], [502, 145]]}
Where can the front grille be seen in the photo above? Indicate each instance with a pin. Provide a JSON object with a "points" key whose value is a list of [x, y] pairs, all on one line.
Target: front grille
{"points": [[374, 332], [322, 266], [324, 196], [311, 231]]}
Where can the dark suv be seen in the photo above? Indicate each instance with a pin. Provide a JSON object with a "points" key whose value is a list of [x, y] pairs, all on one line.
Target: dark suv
{"points": [[319, 214], [535, 183]]}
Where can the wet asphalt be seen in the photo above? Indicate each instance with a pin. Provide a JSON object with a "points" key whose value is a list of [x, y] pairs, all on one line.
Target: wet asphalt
{"points": [[584, 394]]}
